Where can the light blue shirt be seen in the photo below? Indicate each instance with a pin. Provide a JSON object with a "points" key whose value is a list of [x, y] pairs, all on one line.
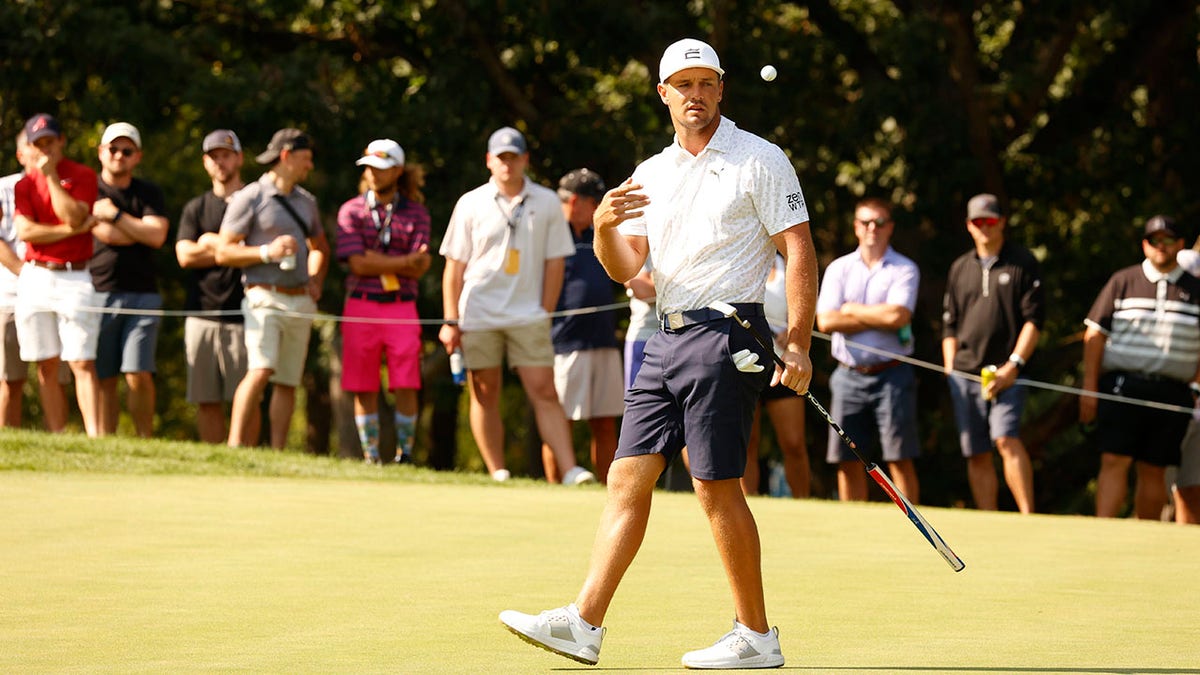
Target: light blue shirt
{"points": [[892, 281]]}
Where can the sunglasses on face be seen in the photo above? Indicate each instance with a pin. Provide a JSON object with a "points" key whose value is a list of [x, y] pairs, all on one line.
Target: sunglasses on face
{"points": [[1159, 242], [877, 222], [115, 151], [985, 222]]}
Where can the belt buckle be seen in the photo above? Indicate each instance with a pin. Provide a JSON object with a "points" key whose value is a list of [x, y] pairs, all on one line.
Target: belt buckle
{"points": [[674, 320]]}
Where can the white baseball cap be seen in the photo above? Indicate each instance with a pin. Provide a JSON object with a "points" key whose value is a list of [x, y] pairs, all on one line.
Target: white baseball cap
{"points": [[382, 154], [121, 130], [688, 53]]}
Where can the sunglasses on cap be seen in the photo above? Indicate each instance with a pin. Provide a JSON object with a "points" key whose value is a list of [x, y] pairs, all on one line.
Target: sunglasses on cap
{"points": [[985, 222], [114, 151]]}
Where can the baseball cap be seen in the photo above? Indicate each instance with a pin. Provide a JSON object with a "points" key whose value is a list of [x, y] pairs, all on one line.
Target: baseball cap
{"points": [[505, 140], [284, 139], [1162, 224], [688, 53], [583, 182], [40, 126], [221, 138], [121, 130], [984, 206], [382, 154]]}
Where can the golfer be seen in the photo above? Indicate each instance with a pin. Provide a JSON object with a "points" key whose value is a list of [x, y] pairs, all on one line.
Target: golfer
{"points": [[711, 209]]}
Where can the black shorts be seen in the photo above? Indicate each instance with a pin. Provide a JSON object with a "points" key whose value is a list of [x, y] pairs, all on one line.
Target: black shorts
{"points": [[688, 392], [1146, 434]]}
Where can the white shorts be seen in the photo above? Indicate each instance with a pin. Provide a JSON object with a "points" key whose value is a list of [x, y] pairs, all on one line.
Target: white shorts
{"points": [[58, 314], [589, 383], [1189, 463]]}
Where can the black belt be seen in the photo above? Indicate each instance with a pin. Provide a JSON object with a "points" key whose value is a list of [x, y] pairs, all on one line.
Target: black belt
{"points": [[677, 321], [391, 296], [873, 369]]}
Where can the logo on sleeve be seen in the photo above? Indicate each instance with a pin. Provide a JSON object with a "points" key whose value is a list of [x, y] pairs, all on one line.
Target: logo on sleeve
{"points": [[795, 201]]}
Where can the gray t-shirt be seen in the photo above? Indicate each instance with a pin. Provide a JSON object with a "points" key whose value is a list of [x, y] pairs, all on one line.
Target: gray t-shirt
{"points": [[255, 213]]}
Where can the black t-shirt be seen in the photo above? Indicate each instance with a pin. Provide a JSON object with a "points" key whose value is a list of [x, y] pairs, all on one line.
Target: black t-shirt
{"points": [[211, 288], [128, 268], [986, 308]]}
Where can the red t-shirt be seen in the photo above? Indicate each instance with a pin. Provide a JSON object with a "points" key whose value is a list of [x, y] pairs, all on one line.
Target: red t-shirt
{"points": [[31, 198]]}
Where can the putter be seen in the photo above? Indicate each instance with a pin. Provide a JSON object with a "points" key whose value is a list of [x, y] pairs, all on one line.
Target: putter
{"points": [[935, 540]]}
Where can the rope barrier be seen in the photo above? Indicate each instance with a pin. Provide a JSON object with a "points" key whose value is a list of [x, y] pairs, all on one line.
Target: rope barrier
{"points": [[927, 365]]}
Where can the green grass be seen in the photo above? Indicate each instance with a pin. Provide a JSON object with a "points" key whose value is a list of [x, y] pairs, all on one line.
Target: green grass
{"points": [[151, 557]]}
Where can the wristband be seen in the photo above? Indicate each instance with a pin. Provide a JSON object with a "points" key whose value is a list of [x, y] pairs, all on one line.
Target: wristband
{"points": [[1016, 360], [264, 254], [1195, 388], [450, 322]]}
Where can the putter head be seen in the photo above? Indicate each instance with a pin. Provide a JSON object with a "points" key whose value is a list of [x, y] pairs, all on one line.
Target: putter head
{"points": [[724, 308]]}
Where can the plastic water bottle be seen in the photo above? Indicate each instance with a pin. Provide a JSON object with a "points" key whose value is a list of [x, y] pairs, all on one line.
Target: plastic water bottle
{"points": [[458, 369]]}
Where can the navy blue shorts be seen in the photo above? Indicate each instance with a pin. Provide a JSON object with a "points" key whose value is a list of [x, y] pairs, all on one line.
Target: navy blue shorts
{"points": [[875, 409], [688, 392]]}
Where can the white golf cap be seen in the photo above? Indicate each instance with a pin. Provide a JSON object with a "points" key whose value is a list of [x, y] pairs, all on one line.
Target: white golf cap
{"points": [[382, 154], [121, 130], [688, 53]]}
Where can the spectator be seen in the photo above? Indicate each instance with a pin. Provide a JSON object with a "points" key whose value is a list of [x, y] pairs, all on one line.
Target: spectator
{"points": [[783, 406], [57, 314], [992, 314], [13, 371], [131, 227], [505, 249], [383, 235], [710, 242], [273, 230], [587, 362], [1187, 479], [1141, 343], [215, 343], [868, 297]]}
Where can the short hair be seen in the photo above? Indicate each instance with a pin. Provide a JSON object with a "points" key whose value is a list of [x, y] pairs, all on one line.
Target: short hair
{"points": [[881, 205]]}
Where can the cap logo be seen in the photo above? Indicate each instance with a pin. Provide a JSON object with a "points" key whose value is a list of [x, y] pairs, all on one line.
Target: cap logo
{"points": [[40, 124], [693, 53]]}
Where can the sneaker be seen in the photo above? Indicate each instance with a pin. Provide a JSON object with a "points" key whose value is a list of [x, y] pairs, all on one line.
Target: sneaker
{"points": [[402, 458], [501, 475], [740, 648], [577, 475], [557, 630], [371, 458]]}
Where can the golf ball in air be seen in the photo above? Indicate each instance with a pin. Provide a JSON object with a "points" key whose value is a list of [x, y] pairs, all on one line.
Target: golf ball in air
{"points": [[768, 73]]}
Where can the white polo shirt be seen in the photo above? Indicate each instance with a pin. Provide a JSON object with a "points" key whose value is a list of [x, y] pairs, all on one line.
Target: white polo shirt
{"points": [[505, 246], [8, 234], [711, 216]]}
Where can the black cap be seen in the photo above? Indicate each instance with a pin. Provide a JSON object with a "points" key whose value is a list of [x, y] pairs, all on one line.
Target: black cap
{"points": [[984, 206], [584, 182], [1164, 224], [284, 139]]}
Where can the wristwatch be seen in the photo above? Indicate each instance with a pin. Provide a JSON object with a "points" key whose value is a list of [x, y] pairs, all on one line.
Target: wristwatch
{"points": [[1195, 388], [1017, 361]]}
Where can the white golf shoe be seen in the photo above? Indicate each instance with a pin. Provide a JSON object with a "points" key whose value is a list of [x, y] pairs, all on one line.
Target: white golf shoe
{"points": [[740, 648], [560, 630], [577, 475]]}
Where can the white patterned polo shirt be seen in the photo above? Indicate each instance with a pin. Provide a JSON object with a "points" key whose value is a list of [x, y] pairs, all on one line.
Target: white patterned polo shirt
{"points": [[711, 217]]}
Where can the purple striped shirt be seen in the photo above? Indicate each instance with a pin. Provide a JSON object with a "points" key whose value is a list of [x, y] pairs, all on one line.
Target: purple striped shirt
{"points": [[358, 233]]}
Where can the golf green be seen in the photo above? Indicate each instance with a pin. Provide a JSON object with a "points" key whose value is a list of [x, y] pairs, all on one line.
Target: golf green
{"points": [[158, 574]]}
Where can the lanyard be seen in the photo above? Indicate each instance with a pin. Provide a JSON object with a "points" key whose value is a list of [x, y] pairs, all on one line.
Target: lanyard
{"points": [[384, 227], [517, 213]]}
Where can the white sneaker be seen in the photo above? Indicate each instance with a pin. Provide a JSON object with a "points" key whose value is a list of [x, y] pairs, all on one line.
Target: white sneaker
{"points": [[740, 648], [501, 475], [557, 630], [577, 475]]}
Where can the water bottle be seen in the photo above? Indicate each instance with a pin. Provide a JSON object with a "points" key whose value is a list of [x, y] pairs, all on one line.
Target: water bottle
{"points": [[458, 369]]}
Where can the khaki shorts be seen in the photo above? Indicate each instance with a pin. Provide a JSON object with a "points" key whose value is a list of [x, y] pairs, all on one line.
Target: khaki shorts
{"points": [[589, 383], [526, 345], [276, 340], [1189, 464], [216, 359], [12, 368]]}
